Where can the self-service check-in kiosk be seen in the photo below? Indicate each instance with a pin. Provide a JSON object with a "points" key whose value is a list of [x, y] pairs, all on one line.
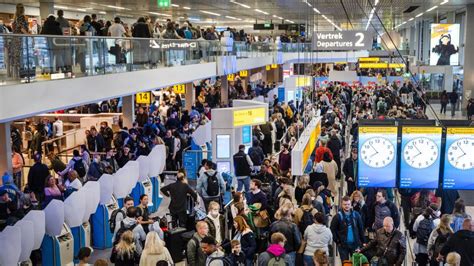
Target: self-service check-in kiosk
{"points": [[144, 184], [74, 208], [58, 243], [102, 236], [156, 167]]}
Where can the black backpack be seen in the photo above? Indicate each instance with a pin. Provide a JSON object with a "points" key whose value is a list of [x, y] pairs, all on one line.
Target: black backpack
{"points": [[122, 230], [226, 261], [79, 167], [306, 220], [424, 230], [112, 219], [212, 185], [254, 156]]}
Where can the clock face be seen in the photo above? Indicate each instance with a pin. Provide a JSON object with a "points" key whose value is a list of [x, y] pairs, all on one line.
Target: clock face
{"points": [[377, 152], [420, 152], [461, 154]]}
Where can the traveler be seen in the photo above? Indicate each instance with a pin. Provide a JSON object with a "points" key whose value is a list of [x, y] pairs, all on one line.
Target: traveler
{"points": [[37, 177], [285, 225], [154, 251], [123, 156], [242, 168], [51, 27], [330, 168], [384, 208], [144, 214], [58, 128], [284, 160], [348, 230], [444, 99], [301, 188], [350, 171], [453, 259], [63, 23], [318, 174], [275, 253], [321, 150], [316, 236], [316, 204], [453, 99], [84, 255], [256, 155], [210, 184], [119, 215], [117, 30], [75, 164], [237, 198], [19, 26], [132, 223], [72, 183], [8, 209], [215, 222], [247, 239], [335, 145], [56, 164], [423, 227], [459, 214], [438, 237], [320, 258], [101, 262], [51, 191], [237, 256], [125, 252], [194, 254], [461, 242], [109, 164], [389, 245], [256, 195], [304, 214], [178, 192], [95, 170], [447, 197], [107, 133], [214, 255], [85, 154]]}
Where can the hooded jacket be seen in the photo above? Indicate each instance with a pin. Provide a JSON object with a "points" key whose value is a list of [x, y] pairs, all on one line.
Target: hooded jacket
{"points": [[273, 250], [391, 246], [317, 236], [461, 242]]}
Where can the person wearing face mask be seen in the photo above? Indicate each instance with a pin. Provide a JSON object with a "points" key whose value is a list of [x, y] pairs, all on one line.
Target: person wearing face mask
{"points": [[215, 222]]}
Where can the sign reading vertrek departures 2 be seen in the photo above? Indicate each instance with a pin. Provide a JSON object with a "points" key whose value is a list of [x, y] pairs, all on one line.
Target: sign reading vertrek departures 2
{"points": [[342, 40]]}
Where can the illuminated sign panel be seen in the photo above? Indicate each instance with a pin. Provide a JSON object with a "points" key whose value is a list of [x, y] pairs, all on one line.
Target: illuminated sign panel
{"points": [[459, 159], [249, 117], [143, 98], [179, 88]]}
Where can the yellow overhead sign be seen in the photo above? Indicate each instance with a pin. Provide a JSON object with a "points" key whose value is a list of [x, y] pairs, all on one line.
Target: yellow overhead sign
{"points": [[268, 67], [179, 88], [369, 59], [303, 81], [244, 73], [230, 77], [249, 117], [274, 66], [381, 65], [143, 98], [313, 138]]}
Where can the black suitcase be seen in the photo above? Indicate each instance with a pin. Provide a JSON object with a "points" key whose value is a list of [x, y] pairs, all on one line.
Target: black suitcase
{"points": [[175, 243]]}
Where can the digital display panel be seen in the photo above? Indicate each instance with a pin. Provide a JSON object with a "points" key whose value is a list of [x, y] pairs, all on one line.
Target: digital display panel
{"points": [[223, 167], [444, 44], [377, 163], [223, 146], [420, 157], [246, 135], [459, 159]]}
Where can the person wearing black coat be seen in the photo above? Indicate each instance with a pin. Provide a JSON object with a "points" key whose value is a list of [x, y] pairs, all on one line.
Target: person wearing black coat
{"points": [[51, 27], [461, 242], [350, 171], [37, 177], [335, 145], [178, 192]]}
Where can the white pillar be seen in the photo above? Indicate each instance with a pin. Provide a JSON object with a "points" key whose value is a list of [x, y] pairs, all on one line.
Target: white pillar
{"points": [[190, 96], [46, 8]]}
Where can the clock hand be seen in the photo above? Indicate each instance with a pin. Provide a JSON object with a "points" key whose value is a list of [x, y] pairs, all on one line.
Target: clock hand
{"points": [[419, 152], [374, 149], [460, 156], [459, 145]]}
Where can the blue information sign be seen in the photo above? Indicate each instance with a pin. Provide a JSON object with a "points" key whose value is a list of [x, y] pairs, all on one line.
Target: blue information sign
{"points": [[246, 135]]}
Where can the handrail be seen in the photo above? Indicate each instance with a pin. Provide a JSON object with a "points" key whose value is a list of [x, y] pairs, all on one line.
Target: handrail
{"points": [[67, 133], [99, 37]]}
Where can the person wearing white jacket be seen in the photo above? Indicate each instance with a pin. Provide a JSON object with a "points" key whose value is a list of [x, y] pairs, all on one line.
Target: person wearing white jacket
{"points": [[316, 236]]}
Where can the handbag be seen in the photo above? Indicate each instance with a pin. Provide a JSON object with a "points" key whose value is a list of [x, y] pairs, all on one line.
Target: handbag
{"points": [[382, 261], [261, 219]]}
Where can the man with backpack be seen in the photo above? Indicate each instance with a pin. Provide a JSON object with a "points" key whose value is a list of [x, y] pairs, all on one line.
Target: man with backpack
{"points": [[275, 255], [384, 208], [131, 223], [194, 254], [76, 164], [118, 215], [242, 168], [347, 229], [422, 227], [210, 184], [256, 155], [290, 230], [461, 242], [215, 257]]}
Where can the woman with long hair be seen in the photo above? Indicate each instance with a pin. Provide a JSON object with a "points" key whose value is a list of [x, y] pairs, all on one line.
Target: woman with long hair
{"points": [[358, 204], [125, 253], [247, 239], [19, 26], [154, 251], [301, 188], [438, 237]]}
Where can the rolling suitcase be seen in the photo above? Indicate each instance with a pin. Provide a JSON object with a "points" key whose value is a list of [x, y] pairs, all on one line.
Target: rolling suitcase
{"points": [[175, 243]]}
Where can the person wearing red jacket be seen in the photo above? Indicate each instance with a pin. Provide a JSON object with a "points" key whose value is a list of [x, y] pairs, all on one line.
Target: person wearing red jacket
{"points": [[321, 150]]}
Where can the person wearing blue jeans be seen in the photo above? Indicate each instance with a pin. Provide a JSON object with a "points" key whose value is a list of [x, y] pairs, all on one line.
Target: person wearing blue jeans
{"points": [[242, 169]]}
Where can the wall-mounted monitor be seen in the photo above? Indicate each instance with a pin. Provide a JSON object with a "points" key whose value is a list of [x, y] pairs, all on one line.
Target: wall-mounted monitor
{"points": [[223, 146], [223, 167], [459, 159]]}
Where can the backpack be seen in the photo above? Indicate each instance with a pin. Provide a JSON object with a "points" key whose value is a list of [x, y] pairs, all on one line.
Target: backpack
{"points": [[188, 34], [169, 35], [256, 160], [456, 225], [424, 230], [381, 107], [79, 167], [212, 185], [122, 230], [439, 242], [276, 261], [226, 260], [112, 219], [306, 220]]}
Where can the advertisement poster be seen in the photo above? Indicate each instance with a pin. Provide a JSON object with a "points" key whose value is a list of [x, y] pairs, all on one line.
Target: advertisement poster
{"points": [[444, 44], [459, 159], [377, 164], [420, 160]]}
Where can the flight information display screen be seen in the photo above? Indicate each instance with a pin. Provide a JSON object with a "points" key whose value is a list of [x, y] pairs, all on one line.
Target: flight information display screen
{"points": [[421, 157], [377, 163], [459, 159]]}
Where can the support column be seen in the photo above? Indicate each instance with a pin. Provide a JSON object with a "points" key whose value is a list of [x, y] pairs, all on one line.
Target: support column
{"points": [[190, 96], [128, 110], [46, 8], [468, 58], [224, 91], [5, 149]]}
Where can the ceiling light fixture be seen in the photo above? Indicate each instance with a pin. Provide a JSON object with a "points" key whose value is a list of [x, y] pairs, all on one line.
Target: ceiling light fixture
{"points": [[60, 7], [102, 12], [419, 15], [240, 4], [117, 7], [187, 7], [371, 14], [444, 2], [261, 11], [174, 5], [316, 10], [411, 19], [310, 5], [81, 9], [210, 13], [431, 9], [287, 20], [232, 17]]}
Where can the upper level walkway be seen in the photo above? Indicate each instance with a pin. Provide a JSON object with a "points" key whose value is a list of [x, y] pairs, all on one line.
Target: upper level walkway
{"points": [[40, 73]]}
